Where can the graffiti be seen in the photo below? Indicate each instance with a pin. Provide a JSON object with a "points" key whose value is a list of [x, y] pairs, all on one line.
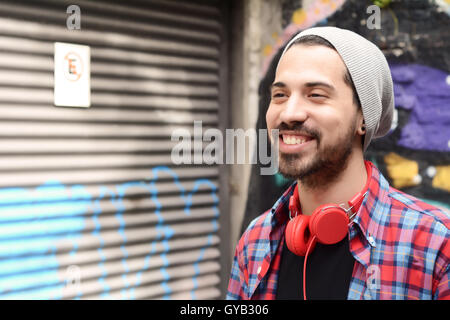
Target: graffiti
{"points": [[414, 156], [38, 225], [31, 221], [425, 92], [302, 18], [402, 171], [416, 153], [441, 177]]}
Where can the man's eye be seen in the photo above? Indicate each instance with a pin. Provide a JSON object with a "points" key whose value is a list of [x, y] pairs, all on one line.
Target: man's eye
{"points": [[316, 95], [278, 95]]}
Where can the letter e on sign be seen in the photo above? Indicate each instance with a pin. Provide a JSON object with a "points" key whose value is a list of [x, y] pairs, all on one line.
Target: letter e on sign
{"points": [[72, 75]]}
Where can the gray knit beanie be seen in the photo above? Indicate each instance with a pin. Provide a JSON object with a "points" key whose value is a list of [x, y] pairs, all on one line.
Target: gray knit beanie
{"points": [[370, 74]]}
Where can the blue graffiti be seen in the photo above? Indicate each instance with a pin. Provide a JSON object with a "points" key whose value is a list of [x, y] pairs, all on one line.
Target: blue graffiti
{"points": [[31, 221], [216, 216], [34, 221], [97, 211]]}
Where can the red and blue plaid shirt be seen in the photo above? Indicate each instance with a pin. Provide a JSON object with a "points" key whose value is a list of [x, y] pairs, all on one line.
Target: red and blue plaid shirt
{"points": [[400, 245]]}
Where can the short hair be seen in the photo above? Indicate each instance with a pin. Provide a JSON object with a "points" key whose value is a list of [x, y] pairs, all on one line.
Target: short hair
{"points": [[311, 40]]}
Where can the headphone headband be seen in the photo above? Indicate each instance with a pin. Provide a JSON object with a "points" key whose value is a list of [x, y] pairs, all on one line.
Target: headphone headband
{"points": [[357, 200]]}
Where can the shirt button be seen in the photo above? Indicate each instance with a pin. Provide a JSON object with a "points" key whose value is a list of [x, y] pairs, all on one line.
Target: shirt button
{"points": [[372, 241], [259, 270]]}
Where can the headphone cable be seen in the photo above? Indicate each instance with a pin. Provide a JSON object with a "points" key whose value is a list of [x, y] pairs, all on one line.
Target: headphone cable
{"points": [[311, 243]]}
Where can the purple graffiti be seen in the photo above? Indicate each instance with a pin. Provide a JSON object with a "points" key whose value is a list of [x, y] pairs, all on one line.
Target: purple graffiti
{"points": [[425, 92]]}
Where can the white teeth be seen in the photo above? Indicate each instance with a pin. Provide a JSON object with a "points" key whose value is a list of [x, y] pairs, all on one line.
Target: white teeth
{"points": [[292, 139]]}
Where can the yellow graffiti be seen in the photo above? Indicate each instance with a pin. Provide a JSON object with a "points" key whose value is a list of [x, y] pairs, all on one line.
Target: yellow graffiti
{"points": [[302, 18], [442, 178], [267, 50], [299, 16], [403, 172]]}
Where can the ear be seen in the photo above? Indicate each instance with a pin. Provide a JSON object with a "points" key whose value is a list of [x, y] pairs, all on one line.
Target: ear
{"points": [[361, 127]]}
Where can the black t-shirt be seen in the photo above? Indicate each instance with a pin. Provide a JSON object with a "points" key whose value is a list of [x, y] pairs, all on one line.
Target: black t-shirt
{"points": [[328, 273]]}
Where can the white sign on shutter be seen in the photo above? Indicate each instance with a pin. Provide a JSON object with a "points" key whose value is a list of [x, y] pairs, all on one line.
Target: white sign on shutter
{"points": [[72, 75]]}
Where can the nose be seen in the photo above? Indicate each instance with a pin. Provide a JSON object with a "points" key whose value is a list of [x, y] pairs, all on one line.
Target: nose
{"points": [[294, 110]]}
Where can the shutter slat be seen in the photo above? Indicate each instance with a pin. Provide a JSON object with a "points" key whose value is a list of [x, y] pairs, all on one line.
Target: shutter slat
{"points": [[46, 48], [45, 32], [41, 129], [127, 114], [45, 80], [80, 176], [45, 96], [207, 20]]}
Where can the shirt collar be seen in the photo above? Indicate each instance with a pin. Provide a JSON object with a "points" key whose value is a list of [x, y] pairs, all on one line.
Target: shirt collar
{"points": [[374, 208], [280, 210]]}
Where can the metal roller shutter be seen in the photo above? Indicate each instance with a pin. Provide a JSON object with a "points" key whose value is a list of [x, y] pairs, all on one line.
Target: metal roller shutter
{"points": [[90, 203]]}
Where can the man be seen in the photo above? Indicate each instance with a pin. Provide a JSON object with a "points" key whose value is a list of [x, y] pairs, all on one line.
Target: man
{"points": [[331, 95]]}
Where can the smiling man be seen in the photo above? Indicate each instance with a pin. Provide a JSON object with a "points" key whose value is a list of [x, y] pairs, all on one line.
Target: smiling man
{"points": [[340, 231]]}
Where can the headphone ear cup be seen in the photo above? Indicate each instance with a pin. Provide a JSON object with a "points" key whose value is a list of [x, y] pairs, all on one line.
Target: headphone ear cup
{"points": [[297, 235], [329, 224]]}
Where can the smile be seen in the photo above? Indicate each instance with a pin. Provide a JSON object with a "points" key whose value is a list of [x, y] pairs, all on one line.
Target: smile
{"points": [[293, 143], [293, 139]]}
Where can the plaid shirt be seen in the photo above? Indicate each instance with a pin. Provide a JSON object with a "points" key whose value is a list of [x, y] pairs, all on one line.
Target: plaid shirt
{"points": [[400, 245]]}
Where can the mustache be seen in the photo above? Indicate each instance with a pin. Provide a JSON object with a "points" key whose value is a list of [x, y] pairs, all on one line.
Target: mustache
{"points": [[300, 128]]}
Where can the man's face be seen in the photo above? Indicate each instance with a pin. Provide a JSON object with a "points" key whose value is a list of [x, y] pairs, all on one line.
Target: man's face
{"points": [[313, 108]]}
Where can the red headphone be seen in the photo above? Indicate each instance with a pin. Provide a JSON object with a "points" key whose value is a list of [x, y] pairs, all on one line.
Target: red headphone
{"points": [[328, 224]]}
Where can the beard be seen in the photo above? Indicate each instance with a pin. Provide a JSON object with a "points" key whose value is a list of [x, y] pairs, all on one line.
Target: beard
{"points": [[325, 166]]}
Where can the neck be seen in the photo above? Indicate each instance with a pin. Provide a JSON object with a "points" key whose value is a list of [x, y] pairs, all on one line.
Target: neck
{"points": [[349, 182]]}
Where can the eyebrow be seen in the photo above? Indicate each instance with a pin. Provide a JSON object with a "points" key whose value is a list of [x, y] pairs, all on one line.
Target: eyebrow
{"points": [[319, 84], [280, 84]]}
